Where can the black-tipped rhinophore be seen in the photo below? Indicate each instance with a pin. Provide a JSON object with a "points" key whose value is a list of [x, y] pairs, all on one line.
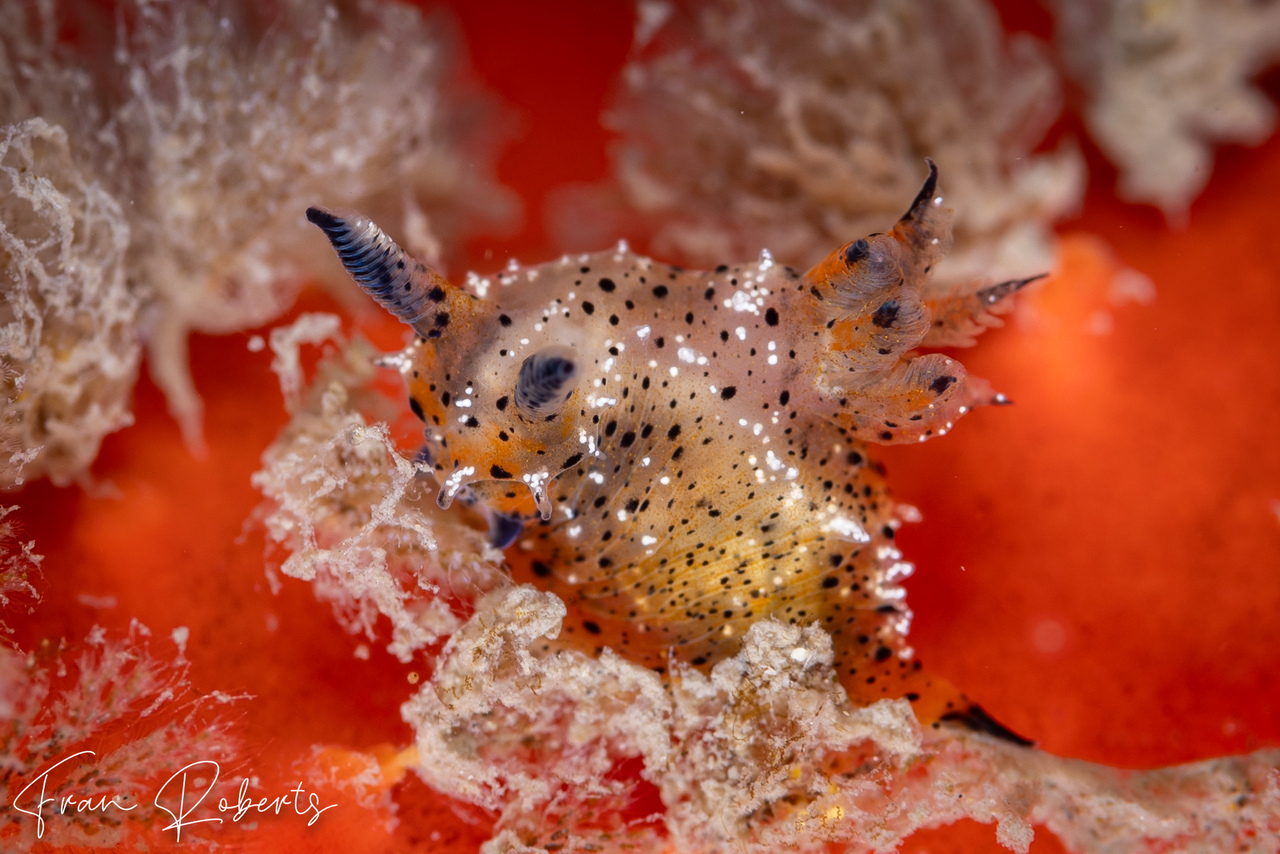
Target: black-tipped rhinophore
{"points": [[994, 293], [545, 382], [383, 270], [925, 196]]}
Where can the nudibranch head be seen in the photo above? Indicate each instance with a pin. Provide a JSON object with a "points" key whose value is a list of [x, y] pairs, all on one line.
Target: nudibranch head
{"points": [[688, 450]]}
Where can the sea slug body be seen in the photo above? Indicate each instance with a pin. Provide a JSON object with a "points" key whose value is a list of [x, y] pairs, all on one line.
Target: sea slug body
{"points": [[677, 454]]}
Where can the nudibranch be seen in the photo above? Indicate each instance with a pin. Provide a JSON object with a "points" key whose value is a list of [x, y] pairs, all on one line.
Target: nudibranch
{"points": [[677, 454]]}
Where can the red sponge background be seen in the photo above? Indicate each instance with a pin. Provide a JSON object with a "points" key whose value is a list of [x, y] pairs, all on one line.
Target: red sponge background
{"points": [[1098, 565]]}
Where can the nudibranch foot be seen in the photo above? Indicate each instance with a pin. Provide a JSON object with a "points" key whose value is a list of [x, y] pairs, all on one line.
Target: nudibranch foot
{"points": [[679, 454]]}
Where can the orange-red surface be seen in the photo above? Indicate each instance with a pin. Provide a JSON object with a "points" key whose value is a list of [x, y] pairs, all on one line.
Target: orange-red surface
{"points": [[1099, 564]]}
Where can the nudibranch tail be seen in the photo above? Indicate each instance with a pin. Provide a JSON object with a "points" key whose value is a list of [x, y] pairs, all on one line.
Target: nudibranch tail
{"points": [[402, 285]]}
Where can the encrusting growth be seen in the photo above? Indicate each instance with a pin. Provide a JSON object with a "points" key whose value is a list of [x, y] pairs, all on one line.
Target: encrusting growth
{"points": [[677, 454]]}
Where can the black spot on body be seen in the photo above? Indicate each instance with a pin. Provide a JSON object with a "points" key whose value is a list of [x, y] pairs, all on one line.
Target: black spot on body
{"points": [[856, 251], [499, 472], [417, 409], [728, 392], [504, 320], [607, 286], [886, 314], [771, 317], [941, 384]]}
